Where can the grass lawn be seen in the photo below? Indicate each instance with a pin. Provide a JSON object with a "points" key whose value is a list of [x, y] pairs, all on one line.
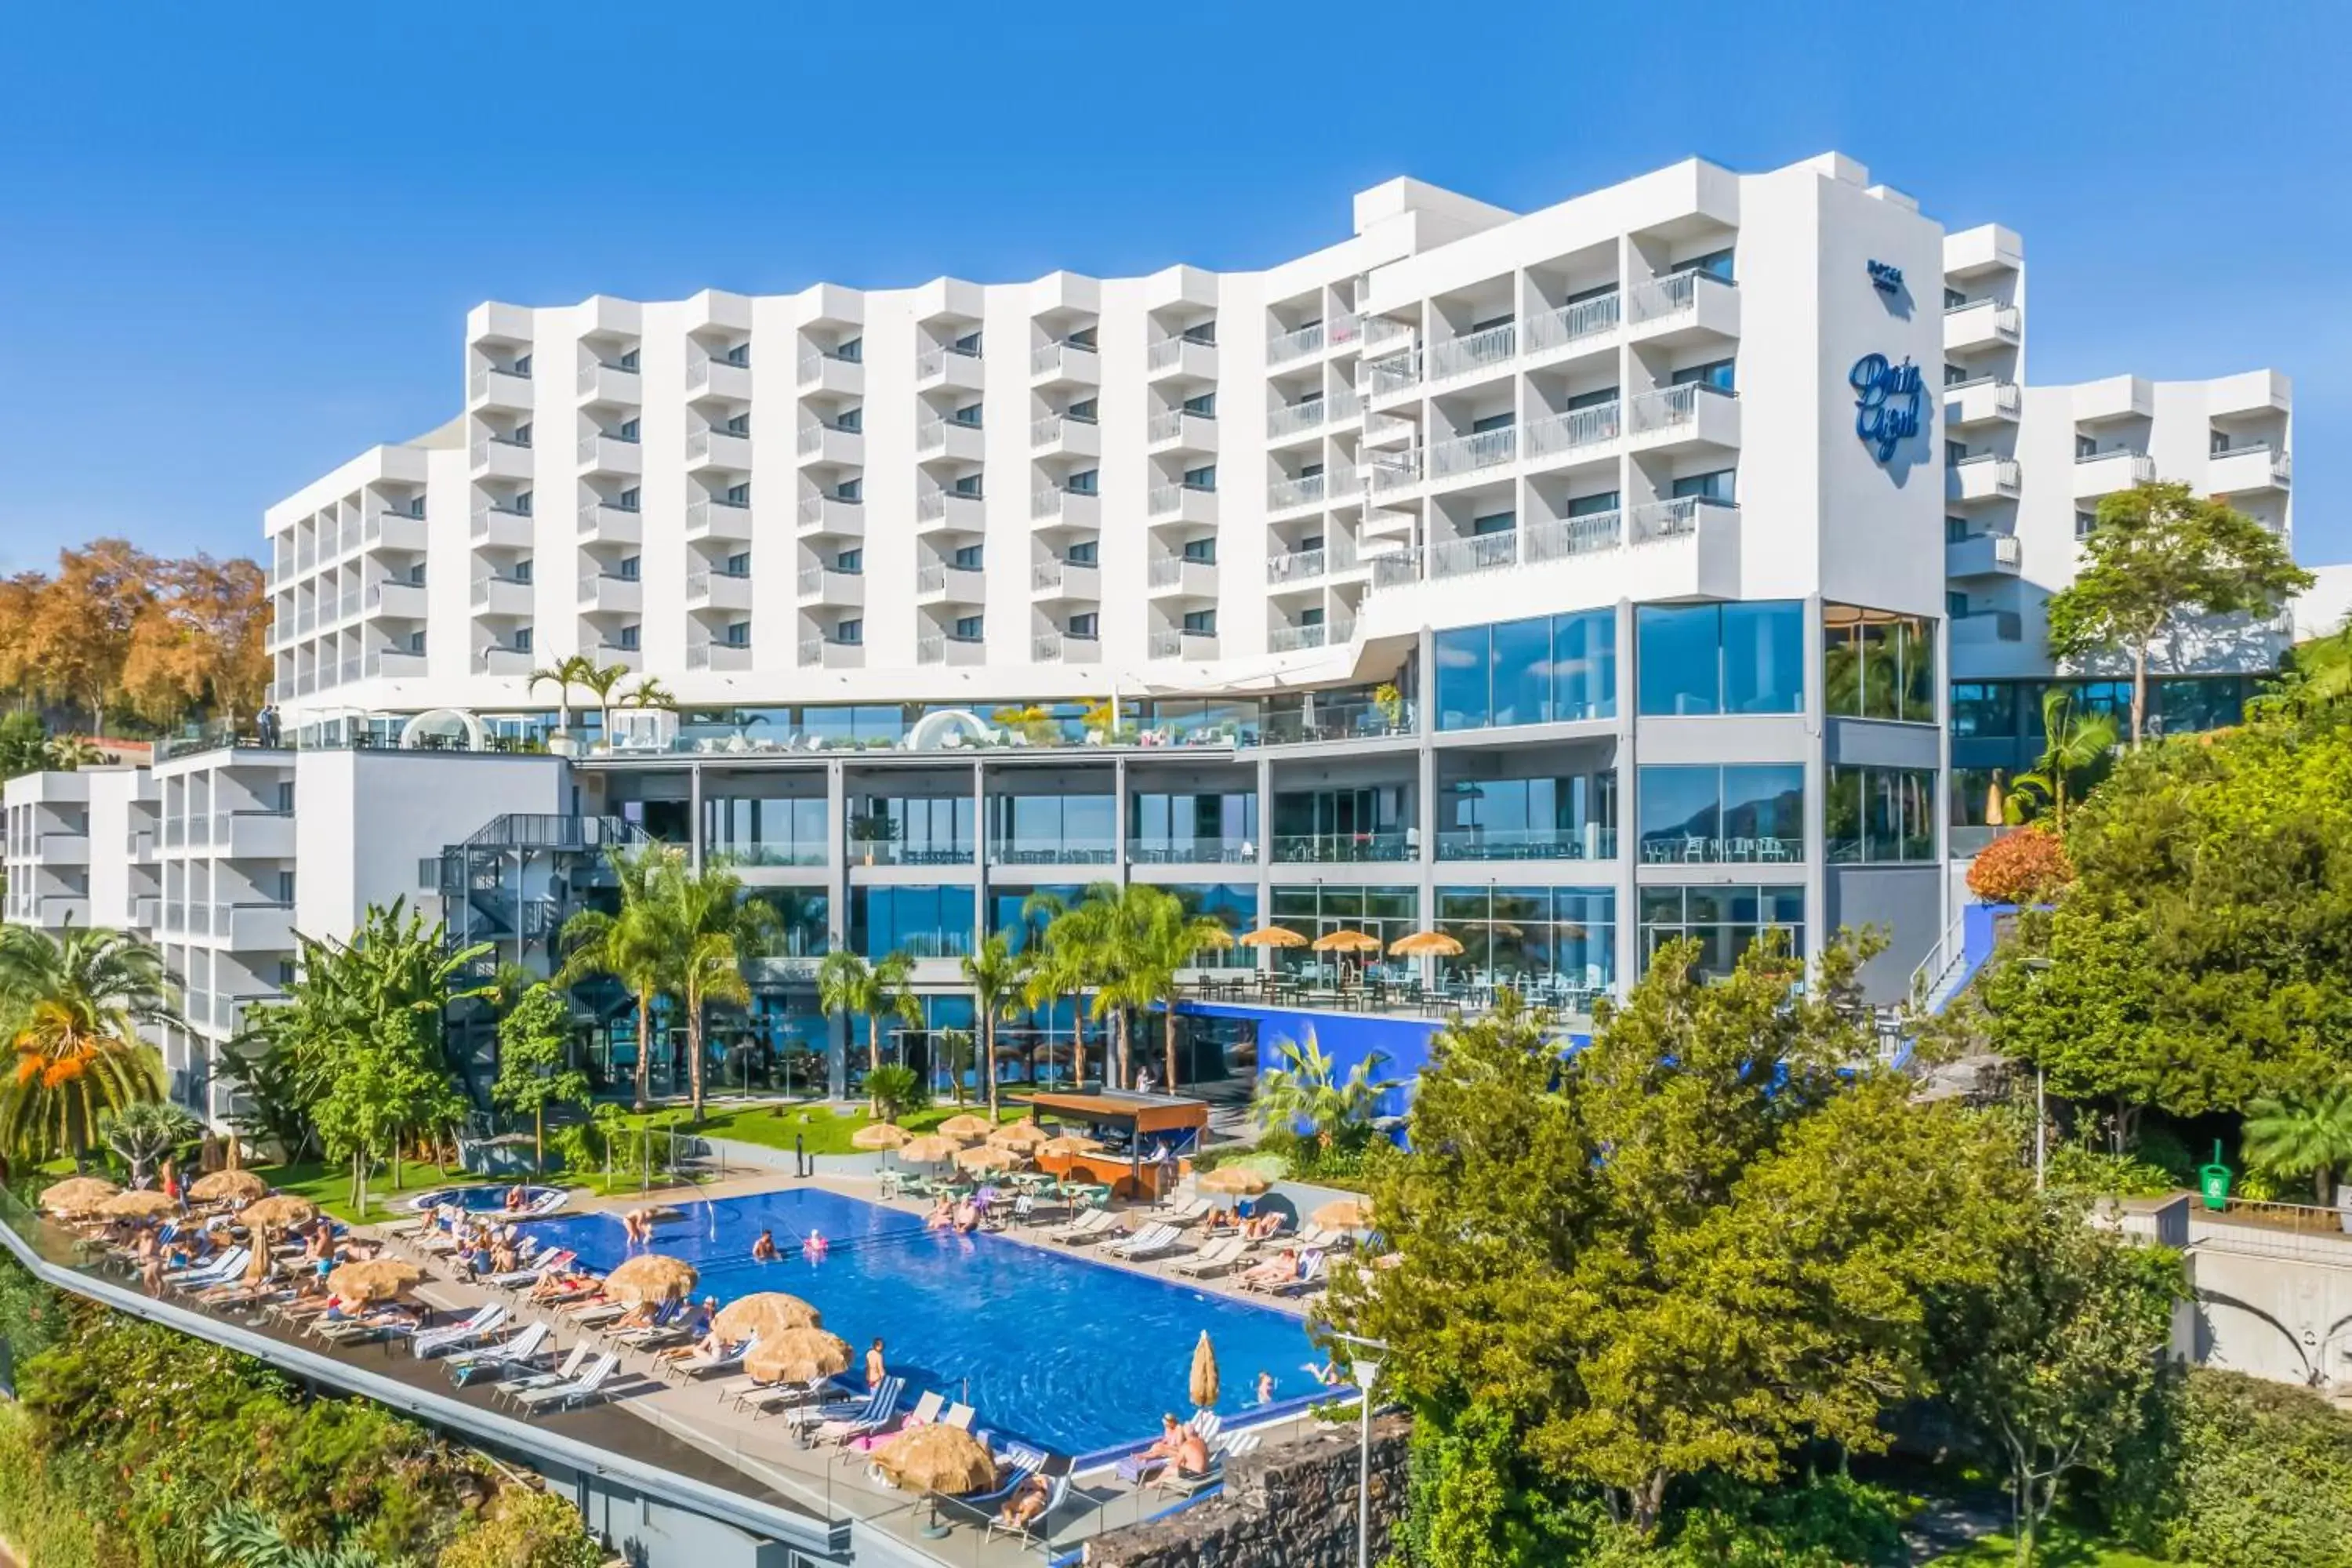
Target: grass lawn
{"points": [[2061, 1545], [330, 1185], [821, 1129]]}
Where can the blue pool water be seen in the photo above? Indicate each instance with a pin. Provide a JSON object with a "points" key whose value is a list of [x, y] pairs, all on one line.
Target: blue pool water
{"points": [[1071, 1355], [487, 1198]]}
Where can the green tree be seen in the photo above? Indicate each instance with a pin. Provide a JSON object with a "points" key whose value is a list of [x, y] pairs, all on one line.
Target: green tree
{"points": [[2159, 557], [563, 675], [1170, 939], [601, 680], [2303, 1135], [2076, 740], [1306, 1088], [533, 1040], [24, 744], [1060, 968], [999, 978], [847, 985], [145, 1132], [629, 946], [77, 1001], [1129, 942], [528, 1528], [710, 929], [2055, 1363]]}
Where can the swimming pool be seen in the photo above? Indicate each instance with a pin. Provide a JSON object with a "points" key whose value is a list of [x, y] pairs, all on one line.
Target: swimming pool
{"points": [[1071, 1355], [488, 1198]]}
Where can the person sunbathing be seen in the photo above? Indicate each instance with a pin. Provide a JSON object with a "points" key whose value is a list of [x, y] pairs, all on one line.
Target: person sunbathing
{"points": [[1170, 1440], [1279, 1269], [556, 1287], [1191, 1455], [1026, 1506], [638, 1317], [502, 1258]]}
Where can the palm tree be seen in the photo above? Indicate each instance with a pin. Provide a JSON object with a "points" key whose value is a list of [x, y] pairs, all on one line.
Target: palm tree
{"points": [[1169, 937], [1306, 1088], [711, 929], [998, 977], [629, 946], [1058, 969], [601, 680], [563, 675], [76, 1001], [147, 1132], [648, 693], [2305, 1136], [1129, 942], [846, 983], [2077, 740]]}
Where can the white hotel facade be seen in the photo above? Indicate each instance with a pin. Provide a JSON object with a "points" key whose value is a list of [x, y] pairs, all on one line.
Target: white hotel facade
{"points": [[1521, 574]]}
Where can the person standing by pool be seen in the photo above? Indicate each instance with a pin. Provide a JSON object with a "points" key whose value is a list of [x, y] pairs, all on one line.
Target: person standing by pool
{"points": [[875, 1368], [764, 1249]]}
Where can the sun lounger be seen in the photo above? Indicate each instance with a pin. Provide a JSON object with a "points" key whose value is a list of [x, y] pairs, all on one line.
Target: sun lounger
{"points": [[1311, 1277], [766, 1398], [516, 1384], [596, 1314], [532, 1275], [352, 1330], [1172, 1479], [589, 1384], [959, 1416], [217, 1272], [1151, 1241], [517, 1350], [1192, 1212], [485, 1321], [696, 1363], [1224, 1253], [665, 1315], [858, 1421], [1088, 1226]]}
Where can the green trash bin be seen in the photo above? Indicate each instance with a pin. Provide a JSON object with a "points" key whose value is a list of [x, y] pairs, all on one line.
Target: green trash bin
{"points": [[2214, 1180]]}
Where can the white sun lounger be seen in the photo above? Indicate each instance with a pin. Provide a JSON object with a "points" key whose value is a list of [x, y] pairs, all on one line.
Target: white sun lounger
{"points": [[1225, 1252], [515, 1388], [589, 1384], [484, 1322], [1151, 1241], [516, 1349]]}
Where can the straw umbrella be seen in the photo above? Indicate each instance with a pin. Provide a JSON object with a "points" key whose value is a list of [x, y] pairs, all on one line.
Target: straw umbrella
{"points": [[879, 1135], [234, 1186], [1345, 1214], [1345, 941], [258, 1265], [378, 1279], [765, 1313], [138, 1205], [1026, 1136], [938, 1458], [1069, 1146], [1204, 1373], [282, 1209], [797, 1355], [1234, 1181], [76, 1195], [650, 1276], [932, 1151], [1427, 944], [966, 1127]]}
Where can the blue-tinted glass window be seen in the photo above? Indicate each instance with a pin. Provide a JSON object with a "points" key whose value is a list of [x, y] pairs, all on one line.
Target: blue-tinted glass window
{"points": [[1680, 658], [1584, 666], [1764, 657], [1680, 812], [1461, 679], [1521, 662]]}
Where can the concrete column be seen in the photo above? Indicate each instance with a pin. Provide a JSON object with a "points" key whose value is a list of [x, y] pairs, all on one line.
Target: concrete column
{"points": [[1629, 845], [1816, 816], [1425, 780], [694, 814], [837, 915], [978, 854], [1265, 854], [1118, 819]]}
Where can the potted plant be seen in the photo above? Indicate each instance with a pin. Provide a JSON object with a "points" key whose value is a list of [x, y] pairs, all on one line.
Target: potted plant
{"points": [[1390, 702]]}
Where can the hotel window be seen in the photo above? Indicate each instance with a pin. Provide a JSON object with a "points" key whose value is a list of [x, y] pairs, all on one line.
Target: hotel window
{"points": [[1082, 553], [1717, 373], [1201, 550], [968, 629], [851, 632], [969, 416], [1714, 485], [1715, 264], [765, 831], [1954, 530], [2085, 523], [1205, 405], [1984, 709], [1599, 505], [967, 558], [1876, 816], [1599, 397], [630, 566], [1492, 422], [850, 491], [627, 640], [521, 643], [1954, 299], [1494, 522], [851, 563], [1956, 453], [968, 344], [1387, 912], [968, 485], [2086, 446], [739, 634], [1878, 665], [739, 495], [1083, 624], [1201, 622], [1542, 670], [1082, 483], [1702, 659], [1751, 814], [851, 352], [922, 921], [1204, 479], [1514, 934], [1568, 819], [1724, 921], [1081, 411]]}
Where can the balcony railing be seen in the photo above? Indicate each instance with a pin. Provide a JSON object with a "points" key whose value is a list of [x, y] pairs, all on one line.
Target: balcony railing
{"points": [[1591, 841], [1667, 408], [1281, 348], [1052, 852], [1460, 557], [1292, 639], [1064, 647], [1556, 539], [1298, 567], [811, 508], [1341, 848], [1579, 428], [1478, 351], [1167, 501], [1398, 372], [1573, 323], [1673, 518], [1305, 491], [1468, 454], [1191, 851], [1346, 720], [1290, 419], [812, 366], [932, 434], [932, 361], [1691, 849], [895, 852], [1055, 427]]}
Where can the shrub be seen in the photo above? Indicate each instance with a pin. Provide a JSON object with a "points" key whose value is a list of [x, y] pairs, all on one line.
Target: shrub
{"points": [[896, 1090], [2027, 867], [2239, 1472], [526, 1528], [2078, 1169]]}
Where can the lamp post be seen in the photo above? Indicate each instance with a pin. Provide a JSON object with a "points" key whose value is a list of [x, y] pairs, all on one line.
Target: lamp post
{"points": [[1366, 1370]]}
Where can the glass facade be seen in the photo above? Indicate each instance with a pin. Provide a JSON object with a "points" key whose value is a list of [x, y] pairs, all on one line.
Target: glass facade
{"points": [[1008, 910], [1570, 818], [1522, 937], [1183, 829], [911, 830], [800, 920], [1233, 905], [923, 922], [1373, 822], [1878, 665], [1543, 671], [1876, 816], [1748, 814], [751, 831], [1387, 913], [1701, 659], [1048, 829], [1724, 920]]}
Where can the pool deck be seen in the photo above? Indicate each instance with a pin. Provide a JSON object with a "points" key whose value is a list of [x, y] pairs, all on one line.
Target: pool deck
{"points": [[696, 1419]]}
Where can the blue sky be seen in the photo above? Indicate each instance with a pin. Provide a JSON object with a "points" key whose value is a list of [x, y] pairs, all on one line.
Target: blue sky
{"points": [[237, 242]]}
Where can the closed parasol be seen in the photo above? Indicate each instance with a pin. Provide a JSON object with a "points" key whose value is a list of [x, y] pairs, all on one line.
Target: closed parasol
{"points": [[929, 1151], [1270, 936], [966, 1126], [797, 1355], [1425, 944], [1236, 1180], [938, 1458], [258, 1262], [377, 1279], [1344, 1214], [137, 1205], [650, 1276], [1026, 1135], [1348, 942], [1204, 1373], [231, 1186], [765, 1313], [880, 1135], [76, 1195], [283, 1209]]}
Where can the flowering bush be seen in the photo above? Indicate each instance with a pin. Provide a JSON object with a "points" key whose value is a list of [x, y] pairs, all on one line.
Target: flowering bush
{"points": [[2027, 867]]}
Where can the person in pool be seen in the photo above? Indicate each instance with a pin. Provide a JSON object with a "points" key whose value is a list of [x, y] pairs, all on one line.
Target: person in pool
{"points": [[517, 1200], [1266, 1388], [764, 1249], [942, 1215], [815, 1247]]}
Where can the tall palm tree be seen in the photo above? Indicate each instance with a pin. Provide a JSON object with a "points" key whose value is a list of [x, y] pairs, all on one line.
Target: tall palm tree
{"points": [[629, 946], [76, 1001], [846, 983], [711, 929], [2305, 1136], [998, 977], [1133, 941], [648, 693], [2077, 738], [563, 675], [601, 680], [1058, 969]]}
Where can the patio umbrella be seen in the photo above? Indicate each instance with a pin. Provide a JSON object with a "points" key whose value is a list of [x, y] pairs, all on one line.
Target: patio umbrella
{"points": [[139, 1205], [938, 1458], [1425, 944], [284, 1208], [76, 1195], [797, 1355], [1204, 1373], [1023, 1135], [235, 1186], [765, 1313], [1348, 942], [651, 1276], [1236, 1180], [985, 1157], [1344, 1214], [257, 1266], [966, 1127], [1270, 936], [1069, 1146], [932, 1151], [880, 1135], [378, 1279]]}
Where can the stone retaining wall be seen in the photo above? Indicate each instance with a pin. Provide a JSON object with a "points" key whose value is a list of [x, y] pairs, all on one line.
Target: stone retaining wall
{"points": [[1289, 1506]]}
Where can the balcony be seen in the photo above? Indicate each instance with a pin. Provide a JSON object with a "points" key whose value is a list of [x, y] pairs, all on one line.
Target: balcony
{"points": [[1176, 577], [1065, 508], [1392, 377], [500, 595], [1683, 517], [2242, 470], [601, 522], [1181, 430], [504, 390], [1180, 359], [830, 517], [826, 653], [1064, 364], [1579, 435], [1984, 555], [1176, 643], [1986, 629], [1982, 324], [1583, 327], [715, 451], [1707, 850], [940, 647], [1982, 402], [392, 601], [1297, 568], [1297, 639], [1066, 582], [1281, 348], [824, 373], [898, 852], [717, 588], [1061, 647], [938, 583], [1984, 477], [2104, 473], [1682, 305], [608, 592], [713, 655], [1180, 504], [831, 445], [394, 529], [1461, 455], [943, 367], [711, 376], [1284, 421], [1591, 841], [608, 454], [63, 850], [951, 512], [713, 519], [1045, 851], [1283, 495], [1064, 436], [1694, 414], [499, 457], [1483, 553], [824, 586], [952, 440], [254, 927], [1191, 851], [391, 664], [1341, 848], [615, 385], [1475, 354], [254, 834], [499, 660]]}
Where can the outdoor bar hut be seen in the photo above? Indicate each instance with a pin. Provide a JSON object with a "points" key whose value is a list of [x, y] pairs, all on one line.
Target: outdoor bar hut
{"points": [[1146, 1122]]}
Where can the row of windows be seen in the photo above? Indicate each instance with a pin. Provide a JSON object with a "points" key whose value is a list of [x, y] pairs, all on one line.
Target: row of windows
{"points": [[1724, 921], [1546, 669], [2006, 710], [1695, 659], [1752, 813]]}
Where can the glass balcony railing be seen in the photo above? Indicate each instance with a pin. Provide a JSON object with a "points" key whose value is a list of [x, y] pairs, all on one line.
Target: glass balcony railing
{"points": [[1588, 842], [1052, 852], [1347, 720], [1698, 849], [893, 852], [1192, 851], [771, 853], [1333, 848]]}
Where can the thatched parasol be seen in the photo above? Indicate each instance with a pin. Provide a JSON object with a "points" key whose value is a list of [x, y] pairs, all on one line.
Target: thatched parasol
{"points": [[987, 1157], [1344, 1214], [137, 1205], [1024, 1135], [966, 1127], [1270, 936], [284, 1208], [765, 1313], [938, 1458], [234, 1186], [1069, 1146], [929, 1151], [797, 1355], [1204, 1373], [1236, 1180], [378, 1279], [1348, 942], [880, 1135], [1425, 944], [650, 1276], [259, 1264], [76, 1195]]}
